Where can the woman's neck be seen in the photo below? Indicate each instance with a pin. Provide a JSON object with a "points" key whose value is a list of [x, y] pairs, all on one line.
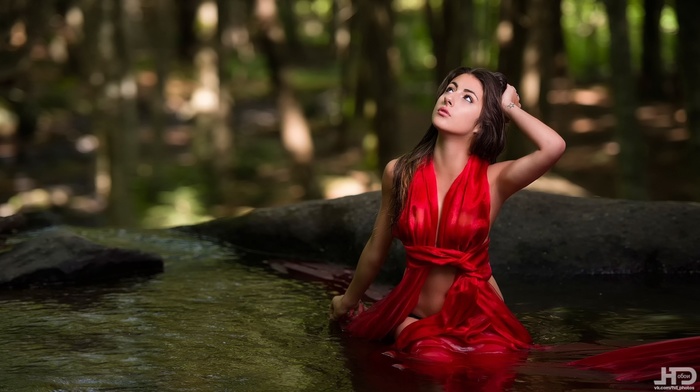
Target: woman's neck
{"points": [[451, 152]]}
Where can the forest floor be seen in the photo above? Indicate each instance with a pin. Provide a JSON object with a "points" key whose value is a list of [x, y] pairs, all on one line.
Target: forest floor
{"points": [[55, 173]]}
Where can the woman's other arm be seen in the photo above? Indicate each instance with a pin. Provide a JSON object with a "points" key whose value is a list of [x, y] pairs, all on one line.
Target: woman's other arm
{"points": [[373, 255], [512, 176]]}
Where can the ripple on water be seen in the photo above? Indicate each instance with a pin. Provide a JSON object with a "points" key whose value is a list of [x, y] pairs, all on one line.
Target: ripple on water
{"points": [[211, 322]]}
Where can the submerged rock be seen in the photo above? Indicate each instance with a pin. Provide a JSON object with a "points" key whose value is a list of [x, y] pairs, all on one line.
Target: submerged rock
{"points": [[63, 257], [536, 234]]}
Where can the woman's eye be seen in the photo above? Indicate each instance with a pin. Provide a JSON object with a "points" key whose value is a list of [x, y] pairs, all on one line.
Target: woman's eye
{"points": [[468, 98], [449, 90]]}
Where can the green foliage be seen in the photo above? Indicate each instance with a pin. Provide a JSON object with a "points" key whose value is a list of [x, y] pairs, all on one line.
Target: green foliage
{"points": [[181, 206], [586, 37]]}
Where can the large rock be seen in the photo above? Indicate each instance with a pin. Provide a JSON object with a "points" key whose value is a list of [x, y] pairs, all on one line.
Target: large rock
{"points": [[63, 257], [536, 234]]}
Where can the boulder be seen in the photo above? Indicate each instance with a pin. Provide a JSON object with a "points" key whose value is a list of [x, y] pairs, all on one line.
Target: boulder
{"points": [[536, 234], [62, 257]]}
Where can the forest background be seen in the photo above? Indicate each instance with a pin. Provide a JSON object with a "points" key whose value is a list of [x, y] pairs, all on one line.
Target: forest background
{"points": [[153, 113]]}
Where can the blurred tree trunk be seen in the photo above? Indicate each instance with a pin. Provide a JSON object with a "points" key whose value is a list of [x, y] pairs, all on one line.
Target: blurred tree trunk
{"points": [[512, 33], [382, 60], [449, 27], [159, 16], [688, 55], [289, 23], [362, 71], [108, 63], [513, 37], [295, 130], [559, 54], [91, 69], [652, 75], [186, 34], [632, 180], [23, 24], [223, 134], [348, 40], [213, 139], [122, 133]]}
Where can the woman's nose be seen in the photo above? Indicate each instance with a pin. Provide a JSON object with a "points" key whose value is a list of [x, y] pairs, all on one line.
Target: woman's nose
{"points": [[448, 100]]}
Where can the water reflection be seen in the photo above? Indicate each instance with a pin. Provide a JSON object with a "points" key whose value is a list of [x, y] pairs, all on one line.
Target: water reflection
{"points": [[213, 322]]}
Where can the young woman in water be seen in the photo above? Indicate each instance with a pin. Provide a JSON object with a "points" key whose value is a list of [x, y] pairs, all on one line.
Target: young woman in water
{"points": [[440, 200]]}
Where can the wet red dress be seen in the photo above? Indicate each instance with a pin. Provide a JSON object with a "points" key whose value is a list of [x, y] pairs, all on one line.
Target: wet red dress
{"points": [[473, 317]]}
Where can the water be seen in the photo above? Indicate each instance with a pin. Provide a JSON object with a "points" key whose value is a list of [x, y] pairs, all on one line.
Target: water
{"points": [[213, 322]]}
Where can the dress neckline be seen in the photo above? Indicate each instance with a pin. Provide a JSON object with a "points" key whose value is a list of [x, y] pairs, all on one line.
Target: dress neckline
{"points": [[437, 208]]}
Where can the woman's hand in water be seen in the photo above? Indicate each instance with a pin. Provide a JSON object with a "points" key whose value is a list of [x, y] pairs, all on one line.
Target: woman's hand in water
{"points": [[339, 310]]}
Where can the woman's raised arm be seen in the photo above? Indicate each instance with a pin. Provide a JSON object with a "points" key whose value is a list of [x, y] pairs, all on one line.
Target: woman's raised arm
{"points": [[512, 176]]}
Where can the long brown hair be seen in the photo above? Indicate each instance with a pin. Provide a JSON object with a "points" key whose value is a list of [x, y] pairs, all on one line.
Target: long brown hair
{"points": [[487, 144]]}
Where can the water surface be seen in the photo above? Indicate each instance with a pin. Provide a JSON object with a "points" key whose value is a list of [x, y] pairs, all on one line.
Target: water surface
{"points": [[214, 322]]}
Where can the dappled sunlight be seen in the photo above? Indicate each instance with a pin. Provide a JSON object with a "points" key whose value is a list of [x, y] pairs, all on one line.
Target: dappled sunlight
{"points": [[355, 183], [678, 135], [590, 97], [655, 116], [584, 125], [8, 122], [552, 183], [7, 151], [87, 144], [178, 136], [44, 198], [87, 204], [592, 125], [594, 96], [680, 116], [181, 206]]}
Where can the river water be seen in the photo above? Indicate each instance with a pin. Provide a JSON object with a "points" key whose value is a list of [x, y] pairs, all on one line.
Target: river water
{"points": [[215, 322]]}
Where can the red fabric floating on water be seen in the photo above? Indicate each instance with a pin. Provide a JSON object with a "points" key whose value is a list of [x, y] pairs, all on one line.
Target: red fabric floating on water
{"points": [[644, 362]]}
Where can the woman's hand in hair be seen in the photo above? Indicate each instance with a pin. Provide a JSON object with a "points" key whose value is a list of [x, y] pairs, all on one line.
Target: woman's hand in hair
{"points": [[510, 99]]}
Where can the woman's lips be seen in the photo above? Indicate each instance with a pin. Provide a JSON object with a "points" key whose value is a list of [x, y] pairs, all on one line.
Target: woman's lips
{"points": [[443, 112]]}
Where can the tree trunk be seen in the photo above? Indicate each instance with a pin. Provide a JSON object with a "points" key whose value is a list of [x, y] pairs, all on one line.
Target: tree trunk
{"points": [[159, 16], [449, 31], [213, 139], [688, 55], [186, 35], [123, 136], [222, 133], [515, 34], [295, 131], [632, 181], [382, 62], [289, 23], [348, 38], [107, 64], [559, 55], [652, 75], [512, 34]]}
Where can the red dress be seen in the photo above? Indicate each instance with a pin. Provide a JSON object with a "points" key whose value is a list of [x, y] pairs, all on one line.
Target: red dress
{"points": [[473, 317]]}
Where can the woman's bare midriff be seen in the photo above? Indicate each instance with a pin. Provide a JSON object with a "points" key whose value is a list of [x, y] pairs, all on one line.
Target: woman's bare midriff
{"points": [[432, 296]]}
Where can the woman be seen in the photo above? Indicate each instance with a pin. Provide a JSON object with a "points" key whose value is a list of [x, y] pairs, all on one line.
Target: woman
{"points": [[440, 200]]}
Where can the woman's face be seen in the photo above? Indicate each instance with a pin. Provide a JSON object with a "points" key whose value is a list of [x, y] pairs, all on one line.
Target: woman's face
{"points": [[458, 109]]}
